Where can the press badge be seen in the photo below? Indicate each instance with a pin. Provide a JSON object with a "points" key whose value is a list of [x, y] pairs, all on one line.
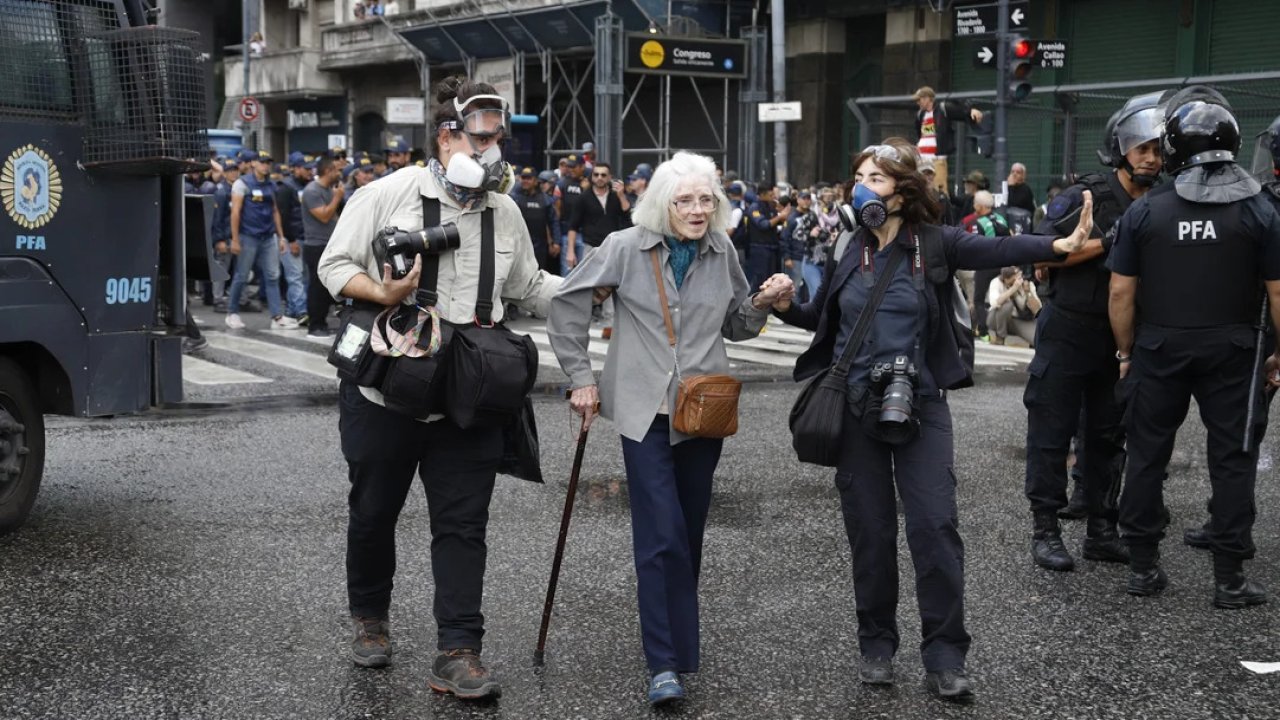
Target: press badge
{"points": [[352, 341], [257, 195]]}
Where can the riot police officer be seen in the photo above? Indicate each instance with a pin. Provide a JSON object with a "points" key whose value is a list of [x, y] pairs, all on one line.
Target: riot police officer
{"points": [[1266, 167], [1193, 253], [1073, 374]]}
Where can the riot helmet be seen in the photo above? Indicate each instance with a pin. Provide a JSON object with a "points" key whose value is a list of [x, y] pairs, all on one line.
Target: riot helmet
{"points": [[1199, 128], [1266, 153], [1136, 122]]}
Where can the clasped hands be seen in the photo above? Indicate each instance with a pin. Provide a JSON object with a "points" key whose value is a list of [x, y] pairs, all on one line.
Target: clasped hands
{"points": [[776, 292]]}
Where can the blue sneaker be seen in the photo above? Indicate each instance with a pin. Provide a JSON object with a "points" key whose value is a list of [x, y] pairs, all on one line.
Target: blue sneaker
{"points": [[665, 688]]}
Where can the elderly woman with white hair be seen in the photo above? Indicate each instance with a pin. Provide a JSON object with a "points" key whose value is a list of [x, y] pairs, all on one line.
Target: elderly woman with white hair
{"points": [[679, 221]]}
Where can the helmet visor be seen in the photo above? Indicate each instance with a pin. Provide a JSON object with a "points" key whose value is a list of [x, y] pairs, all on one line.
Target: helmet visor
{"points": [[1263, 167], [480, 121], [1138, 128]]}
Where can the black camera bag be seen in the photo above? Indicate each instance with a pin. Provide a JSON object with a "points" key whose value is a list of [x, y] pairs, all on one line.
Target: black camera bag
{"points": [[352, 353], [817, 417], [491, 368]]}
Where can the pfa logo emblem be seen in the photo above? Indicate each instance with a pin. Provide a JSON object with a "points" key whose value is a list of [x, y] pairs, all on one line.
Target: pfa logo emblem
{"points": [[30, 187]]}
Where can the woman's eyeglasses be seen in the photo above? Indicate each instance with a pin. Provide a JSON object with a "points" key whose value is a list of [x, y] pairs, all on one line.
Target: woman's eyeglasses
{"points": [[688, 203]]}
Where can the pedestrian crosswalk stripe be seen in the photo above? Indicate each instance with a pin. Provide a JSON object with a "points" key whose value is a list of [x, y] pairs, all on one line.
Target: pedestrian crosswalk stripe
{"points": [[293, 360], [203, 372]]}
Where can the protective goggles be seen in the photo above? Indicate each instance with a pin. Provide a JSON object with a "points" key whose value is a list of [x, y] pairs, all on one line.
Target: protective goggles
{"points": [[483, 122], [886, 152]]}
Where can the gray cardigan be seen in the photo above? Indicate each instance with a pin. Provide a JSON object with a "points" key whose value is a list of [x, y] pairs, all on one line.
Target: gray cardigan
{"points": [[640, 369]]}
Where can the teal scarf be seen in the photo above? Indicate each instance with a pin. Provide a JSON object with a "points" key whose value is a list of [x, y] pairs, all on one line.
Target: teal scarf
{"points": [[682, 255]]}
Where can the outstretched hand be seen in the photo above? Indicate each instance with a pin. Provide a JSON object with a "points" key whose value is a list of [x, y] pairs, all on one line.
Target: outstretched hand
{"points": [[1084, 228]]}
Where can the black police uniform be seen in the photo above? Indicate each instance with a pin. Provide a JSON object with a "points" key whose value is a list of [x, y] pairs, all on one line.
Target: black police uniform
{"points": [[764, 257], [537, 210], [1199, 267], [1074, 372]]}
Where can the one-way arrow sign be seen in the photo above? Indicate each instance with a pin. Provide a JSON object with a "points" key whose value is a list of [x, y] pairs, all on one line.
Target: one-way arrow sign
{"points": [[984, 18], [984, 57]]}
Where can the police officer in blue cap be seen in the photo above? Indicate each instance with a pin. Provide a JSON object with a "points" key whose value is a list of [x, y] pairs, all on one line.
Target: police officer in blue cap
{"points": [[1074, 372], [301, 169], [1195, 254], [397, 154]]}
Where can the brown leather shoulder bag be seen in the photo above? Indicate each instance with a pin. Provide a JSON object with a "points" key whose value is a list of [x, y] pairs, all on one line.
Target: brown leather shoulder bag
{"points": [[706, 405]]}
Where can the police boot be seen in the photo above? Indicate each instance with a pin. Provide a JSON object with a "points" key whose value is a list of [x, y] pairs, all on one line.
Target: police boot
{"points": [[1146, 577], [1197, 537], [1232, 590], [1076, 508], [1102, 543], [1046, 544]]}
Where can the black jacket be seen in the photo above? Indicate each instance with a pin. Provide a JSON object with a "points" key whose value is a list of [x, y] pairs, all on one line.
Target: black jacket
{"points": [[595, 223], [962, 251], [945, 112]]}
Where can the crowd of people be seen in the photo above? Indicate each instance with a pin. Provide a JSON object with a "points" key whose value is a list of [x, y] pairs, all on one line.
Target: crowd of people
{"points": [[270, 223]]}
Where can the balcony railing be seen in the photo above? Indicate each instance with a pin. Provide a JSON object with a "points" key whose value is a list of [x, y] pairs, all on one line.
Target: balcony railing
{"points": [[281, 74]]}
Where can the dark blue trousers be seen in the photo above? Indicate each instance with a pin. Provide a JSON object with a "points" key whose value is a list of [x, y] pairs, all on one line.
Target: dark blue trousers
{"points": [[1073, 379], [922, 472], [670, 491], [762, 262]]}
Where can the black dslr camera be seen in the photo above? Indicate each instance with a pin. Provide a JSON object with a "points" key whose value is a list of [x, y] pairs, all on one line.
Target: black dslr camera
{"points": [[899, 381], [400, 247]]}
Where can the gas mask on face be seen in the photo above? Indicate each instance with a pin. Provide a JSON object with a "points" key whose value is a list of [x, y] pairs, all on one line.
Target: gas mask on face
{"points": [[482, 171], [867, 210], [479, 170]]}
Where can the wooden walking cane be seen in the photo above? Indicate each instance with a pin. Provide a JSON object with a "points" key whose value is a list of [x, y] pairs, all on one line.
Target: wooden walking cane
{"points": [[564, 534]]}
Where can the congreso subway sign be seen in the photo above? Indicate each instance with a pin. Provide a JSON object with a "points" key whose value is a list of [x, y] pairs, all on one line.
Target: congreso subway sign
{"points": [[662, 55]]}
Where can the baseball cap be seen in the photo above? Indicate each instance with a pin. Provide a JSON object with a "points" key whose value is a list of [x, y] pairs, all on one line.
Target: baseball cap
{"points": [[925, 164], [547, 176], [245, 155], [527, 172], [976, 177], [397, 146], [298, 159], [337, 152], [263, 155], [736, 188], [572, 160], [588, 147]]}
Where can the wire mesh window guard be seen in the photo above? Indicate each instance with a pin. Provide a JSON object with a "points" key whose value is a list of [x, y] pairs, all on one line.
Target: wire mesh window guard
{"points": [[144, 108], [138, 92]]}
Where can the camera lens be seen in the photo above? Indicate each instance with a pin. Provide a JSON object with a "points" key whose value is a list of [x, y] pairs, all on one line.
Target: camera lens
{"points": [[896, 406], [441, 238]]}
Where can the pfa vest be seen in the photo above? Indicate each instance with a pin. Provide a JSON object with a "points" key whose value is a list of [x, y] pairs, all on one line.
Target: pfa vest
{"points": [[256, 215], [1198, 267]]}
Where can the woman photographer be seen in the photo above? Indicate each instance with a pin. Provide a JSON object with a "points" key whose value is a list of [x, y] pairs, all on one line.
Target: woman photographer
{"points": [[385, 448], [678, 221], [896, 214]]}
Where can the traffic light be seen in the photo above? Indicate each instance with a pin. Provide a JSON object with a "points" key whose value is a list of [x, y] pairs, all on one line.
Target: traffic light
{"points": [[1022, 58]]}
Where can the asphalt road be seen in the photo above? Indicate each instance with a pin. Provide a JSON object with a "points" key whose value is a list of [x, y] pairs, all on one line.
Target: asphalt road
{"points": [[189, 564]]}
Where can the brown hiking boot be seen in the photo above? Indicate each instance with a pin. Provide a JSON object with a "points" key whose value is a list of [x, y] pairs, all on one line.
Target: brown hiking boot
{"points": [[460, 672], [372, 645]]}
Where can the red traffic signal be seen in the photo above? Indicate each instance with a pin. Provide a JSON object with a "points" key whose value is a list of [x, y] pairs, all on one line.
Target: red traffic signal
{"points": [[1021, 62]]}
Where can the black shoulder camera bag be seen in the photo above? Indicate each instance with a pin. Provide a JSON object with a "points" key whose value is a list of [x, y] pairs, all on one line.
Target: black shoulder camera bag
{"points": [[352, 353], [491, 368], [817, 417]]}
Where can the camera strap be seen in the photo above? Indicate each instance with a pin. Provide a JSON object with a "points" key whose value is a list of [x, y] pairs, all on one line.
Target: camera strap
{"points": [[863, 325], [430, 278], [488, 262]]}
